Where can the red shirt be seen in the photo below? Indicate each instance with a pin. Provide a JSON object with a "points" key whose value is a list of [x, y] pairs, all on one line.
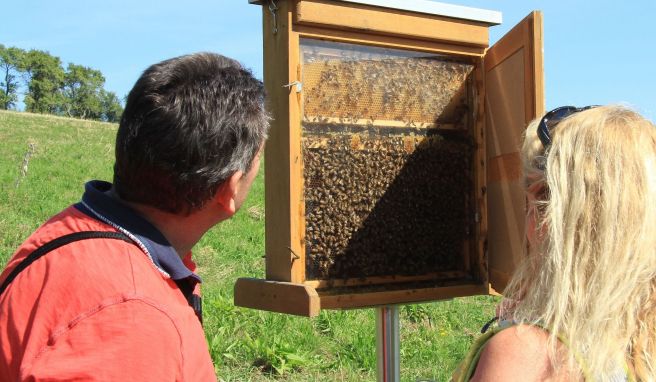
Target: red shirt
{"points": [[97, 310]]}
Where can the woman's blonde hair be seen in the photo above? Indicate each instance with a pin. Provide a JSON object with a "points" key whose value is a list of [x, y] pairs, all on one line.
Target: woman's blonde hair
{"points": [[591, 277]]}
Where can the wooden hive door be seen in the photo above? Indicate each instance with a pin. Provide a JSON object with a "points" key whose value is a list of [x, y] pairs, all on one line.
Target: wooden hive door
{"points": [[514, 96]]}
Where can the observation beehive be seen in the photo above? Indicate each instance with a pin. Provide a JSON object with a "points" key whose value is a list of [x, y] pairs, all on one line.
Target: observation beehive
{"points": [[391, 171]]}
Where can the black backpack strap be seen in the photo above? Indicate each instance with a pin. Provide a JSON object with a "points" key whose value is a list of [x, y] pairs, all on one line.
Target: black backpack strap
{"points": [[185, 287], [56, 243], [193, 300]]}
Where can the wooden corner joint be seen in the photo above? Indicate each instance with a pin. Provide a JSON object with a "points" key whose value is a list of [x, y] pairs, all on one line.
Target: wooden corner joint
{"points": [[277, 296]]}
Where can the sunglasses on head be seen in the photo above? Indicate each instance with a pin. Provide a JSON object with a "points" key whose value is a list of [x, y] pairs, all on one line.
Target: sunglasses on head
{"points": [[551, 119]]}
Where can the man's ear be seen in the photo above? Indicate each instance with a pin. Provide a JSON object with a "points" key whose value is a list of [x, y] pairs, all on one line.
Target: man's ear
{"points": [[225, 194]]}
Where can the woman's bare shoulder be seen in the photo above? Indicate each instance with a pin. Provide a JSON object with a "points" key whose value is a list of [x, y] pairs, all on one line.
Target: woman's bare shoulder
{"points": [[518, 353]]}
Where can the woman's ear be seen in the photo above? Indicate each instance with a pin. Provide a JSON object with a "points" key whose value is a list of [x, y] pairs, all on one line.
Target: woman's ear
{"points": [[225, 194]]}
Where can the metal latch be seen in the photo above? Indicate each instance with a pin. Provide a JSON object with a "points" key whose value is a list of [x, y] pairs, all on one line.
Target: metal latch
{"points": [[297, 84]]}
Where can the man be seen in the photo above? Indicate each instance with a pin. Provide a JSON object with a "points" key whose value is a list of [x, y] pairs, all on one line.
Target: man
{"points": [[122, 305]]}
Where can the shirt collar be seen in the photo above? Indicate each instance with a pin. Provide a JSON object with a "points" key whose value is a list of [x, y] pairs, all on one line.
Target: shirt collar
{"points": [[98, 204]]}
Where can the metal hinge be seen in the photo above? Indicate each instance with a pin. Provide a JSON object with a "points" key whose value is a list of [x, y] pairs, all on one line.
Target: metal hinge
{"points": [[273, 7]]}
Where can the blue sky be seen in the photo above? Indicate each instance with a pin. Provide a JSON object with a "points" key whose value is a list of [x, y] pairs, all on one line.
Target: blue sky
{"points": [[594, 52]]}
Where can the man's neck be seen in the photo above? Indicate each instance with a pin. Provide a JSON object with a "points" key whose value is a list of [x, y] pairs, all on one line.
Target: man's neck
{"points": [[182, 232]]}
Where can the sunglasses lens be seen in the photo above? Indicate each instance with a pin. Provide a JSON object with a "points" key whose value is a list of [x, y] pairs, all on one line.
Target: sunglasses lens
{"points": [[552, 118], [560, 114]]}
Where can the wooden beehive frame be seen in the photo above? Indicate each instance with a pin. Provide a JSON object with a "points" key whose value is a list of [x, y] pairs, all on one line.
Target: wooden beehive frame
{"points": [[286, 288]]}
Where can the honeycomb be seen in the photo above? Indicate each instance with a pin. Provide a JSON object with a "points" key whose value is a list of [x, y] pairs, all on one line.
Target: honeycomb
{"points": [[387, 161], [389, 206], [388, 86]]}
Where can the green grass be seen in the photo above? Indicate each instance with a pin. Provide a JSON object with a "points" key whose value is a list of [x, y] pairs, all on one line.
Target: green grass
{"points": [[245, 344]]}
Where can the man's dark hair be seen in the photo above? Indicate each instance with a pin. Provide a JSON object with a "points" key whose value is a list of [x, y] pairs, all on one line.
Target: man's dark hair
{"points": [[189, 123]]}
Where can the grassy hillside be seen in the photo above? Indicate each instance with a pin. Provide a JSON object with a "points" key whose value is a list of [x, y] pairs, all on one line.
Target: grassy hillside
{"points": [[44, 163]]}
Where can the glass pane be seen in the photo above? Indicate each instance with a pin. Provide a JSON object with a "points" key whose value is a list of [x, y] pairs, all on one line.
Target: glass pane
{"points": [[387, 155], [355, 82]]}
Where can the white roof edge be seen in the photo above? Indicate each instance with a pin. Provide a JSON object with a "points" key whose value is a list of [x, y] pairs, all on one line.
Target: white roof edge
{"points": [[431, 8]]}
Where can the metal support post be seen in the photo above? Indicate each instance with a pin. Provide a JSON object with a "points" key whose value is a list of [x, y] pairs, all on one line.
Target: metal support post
{"points": [[387, 343]]}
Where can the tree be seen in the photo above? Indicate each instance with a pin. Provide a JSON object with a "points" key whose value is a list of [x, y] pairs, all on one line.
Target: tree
{"points": [[111, 106], [11, 61], [44, 76], [75, 92], [82, 91]]}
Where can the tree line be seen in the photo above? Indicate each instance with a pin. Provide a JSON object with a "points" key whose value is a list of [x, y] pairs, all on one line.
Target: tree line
{"points": [[47, 87]]}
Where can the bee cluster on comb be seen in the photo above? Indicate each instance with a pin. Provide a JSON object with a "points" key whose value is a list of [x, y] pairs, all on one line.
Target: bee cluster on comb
{"points": [[387, 162]]}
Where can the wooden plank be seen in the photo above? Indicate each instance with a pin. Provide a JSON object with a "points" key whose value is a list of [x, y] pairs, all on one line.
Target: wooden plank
{"points": [[481, 183], [506, 231], [505, 86], [395, 42], [391, 22], [505, 104], [336, 283], [277, 223], [297, 211], [504, 168], [514, 97], [479, 268], [361, 300], [274, 296], [534, 75], [537, 60], [502, 279], [282, 169], [527, 34]]}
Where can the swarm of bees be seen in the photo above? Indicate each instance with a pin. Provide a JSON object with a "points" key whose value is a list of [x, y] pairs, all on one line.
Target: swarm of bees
{"points": [[409, 90], [385, 205], [387, 188]]}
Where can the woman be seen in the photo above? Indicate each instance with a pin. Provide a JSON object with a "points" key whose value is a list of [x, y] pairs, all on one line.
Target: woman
{"points": [[584, 303]]}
